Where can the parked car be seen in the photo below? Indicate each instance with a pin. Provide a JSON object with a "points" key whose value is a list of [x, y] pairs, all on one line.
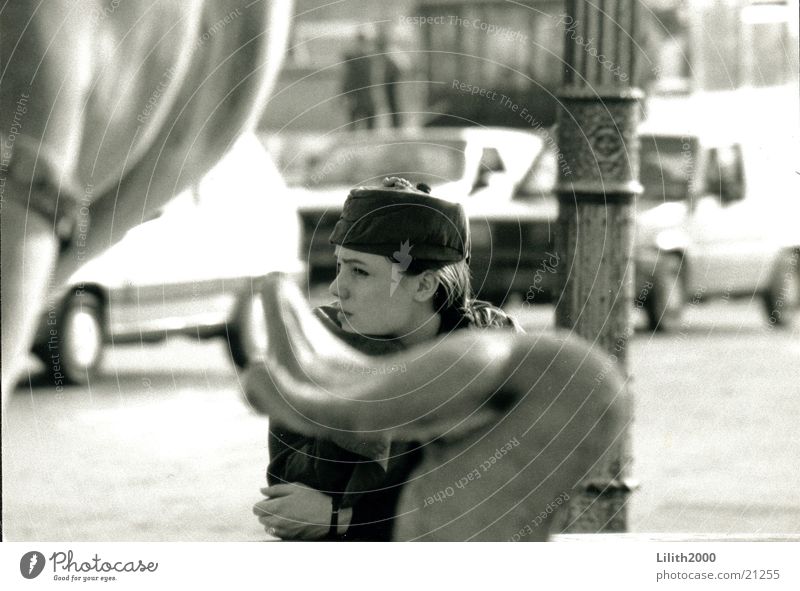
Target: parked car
{"points": [[193, 269], [480, 167], [718, 218]]}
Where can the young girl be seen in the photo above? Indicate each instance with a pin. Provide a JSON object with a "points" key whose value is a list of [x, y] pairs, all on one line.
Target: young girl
{"points": [[402, 279]]}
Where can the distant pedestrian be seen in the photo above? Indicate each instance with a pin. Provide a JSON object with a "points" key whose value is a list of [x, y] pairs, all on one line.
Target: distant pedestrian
{"points": [[357, 84], [387, 77]]}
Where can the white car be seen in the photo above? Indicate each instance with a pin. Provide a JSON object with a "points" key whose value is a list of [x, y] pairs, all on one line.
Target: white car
{"points": [[194, 269], [719, 217]]}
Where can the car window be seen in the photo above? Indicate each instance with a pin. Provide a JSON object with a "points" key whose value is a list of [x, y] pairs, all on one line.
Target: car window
{"points": [[724, 175], [491, 161], [542, 177], [667, 167], [431, 162]]}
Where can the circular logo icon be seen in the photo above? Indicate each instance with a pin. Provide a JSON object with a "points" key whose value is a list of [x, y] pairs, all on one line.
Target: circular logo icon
{"points": [[31, 564]]}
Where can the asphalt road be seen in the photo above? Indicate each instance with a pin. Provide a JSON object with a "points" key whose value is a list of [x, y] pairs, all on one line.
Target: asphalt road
{"points": [[163, 448]]}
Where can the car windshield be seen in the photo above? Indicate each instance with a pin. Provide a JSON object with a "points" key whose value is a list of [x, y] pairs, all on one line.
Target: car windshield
{"points": [[541, 178], [431, 162], [667, 167]]}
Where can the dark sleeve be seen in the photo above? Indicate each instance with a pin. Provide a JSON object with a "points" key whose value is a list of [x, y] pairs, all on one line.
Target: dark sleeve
{"points": [[326, 467], [320, 464], [484, 315], [290, 458], [375, 511], [373, 517]]}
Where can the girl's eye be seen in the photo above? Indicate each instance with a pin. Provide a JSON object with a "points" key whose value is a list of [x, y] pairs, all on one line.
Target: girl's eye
{"points": [[353, 270]]}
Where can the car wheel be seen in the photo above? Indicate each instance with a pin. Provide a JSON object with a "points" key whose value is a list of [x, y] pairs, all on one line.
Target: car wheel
{"points": [[665, 302], [74, 350], [782, 298], [247, 334]]}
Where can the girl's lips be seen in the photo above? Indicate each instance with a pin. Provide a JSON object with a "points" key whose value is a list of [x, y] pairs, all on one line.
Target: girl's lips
{"points": [[338, 307]]}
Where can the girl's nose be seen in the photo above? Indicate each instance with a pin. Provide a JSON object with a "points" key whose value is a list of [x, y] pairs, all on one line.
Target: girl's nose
{"points": [[337, 288]]}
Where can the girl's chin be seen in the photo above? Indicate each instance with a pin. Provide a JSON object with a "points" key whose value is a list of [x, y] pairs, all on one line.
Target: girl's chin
{"points": [[349, 327], [346, 324]]}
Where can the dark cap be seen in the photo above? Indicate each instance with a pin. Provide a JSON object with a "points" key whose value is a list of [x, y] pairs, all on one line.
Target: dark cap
{"points": [[379, 220]]}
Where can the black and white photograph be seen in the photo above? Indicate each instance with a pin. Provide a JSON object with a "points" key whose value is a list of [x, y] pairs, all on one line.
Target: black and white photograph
{"points": [[411, 270]]}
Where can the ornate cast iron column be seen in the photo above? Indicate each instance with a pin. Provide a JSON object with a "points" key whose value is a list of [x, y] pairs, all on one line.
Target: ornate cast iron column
{"points": [[597, 137]]}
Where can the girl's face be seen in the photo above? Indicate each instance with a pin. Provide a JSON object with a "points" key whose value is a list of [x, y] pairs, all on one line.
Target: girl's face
{"points": [[374, 296]]}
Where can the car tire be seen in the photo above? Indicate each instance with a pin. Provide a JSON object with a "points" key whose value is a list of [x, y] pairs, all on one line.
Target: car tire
{"points": [[782, 298], [665, 302], [247, 334], [74, 350]]}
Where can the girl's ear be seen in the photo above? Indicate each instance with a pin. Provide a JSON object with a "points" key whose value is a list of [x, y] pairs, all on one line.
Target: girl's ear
{"points": [[427, 284]]}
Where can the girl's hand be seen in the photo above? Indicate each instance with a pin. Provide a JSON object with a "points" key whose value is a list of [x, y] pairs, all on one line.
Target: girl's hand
{"points": [[295, 512]]}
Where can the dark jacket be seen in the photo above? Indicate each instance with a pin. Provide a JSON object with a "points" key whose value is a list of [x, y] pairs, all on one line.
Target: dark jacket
{"points": [[359, 482]]}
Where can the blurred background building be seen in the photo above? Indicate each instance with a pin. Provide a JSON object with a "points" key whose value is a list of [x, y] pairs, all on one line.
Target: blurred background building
{"points": [[515, 49]]}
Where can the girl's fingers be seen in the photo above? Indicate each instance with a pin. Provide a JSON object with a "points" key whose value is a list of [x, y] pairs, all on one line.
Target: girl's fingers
{"points": [[278, 490], [262, 508]]}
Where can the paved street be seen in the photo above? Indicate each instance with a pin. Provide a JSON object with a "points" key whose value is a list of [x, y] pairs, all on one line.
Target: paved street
{"points": [[163, 448]]}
